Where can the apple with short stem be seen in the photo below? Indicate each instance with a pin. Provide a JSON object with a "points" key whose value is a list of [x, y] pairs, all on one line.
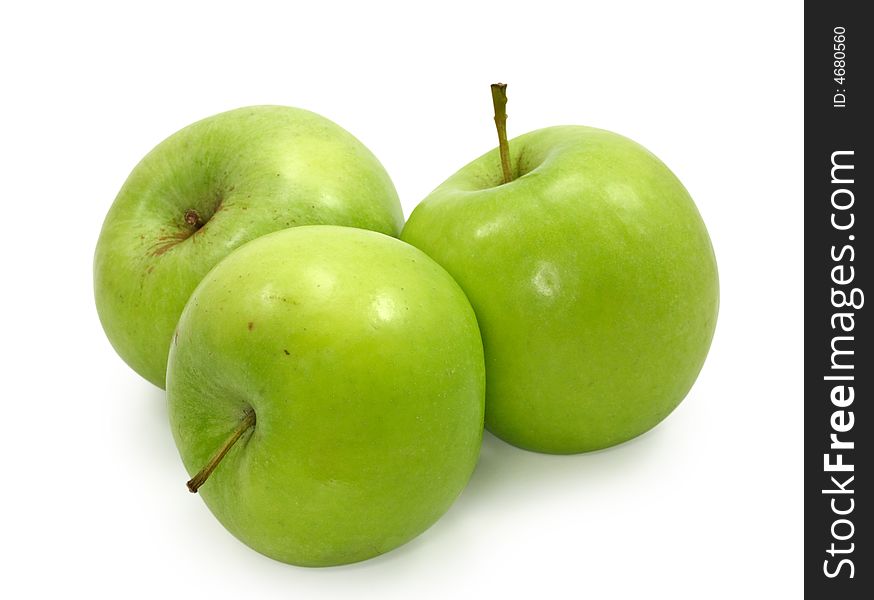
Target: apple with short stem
{"points": [[208, 189], [326, 389], [592, 276]]}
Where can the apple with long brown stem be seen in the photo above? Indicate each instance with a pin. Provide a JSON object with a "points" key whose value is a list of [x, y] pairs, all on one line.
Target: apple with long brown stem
{"points": [[326, 393], [592, 276]]}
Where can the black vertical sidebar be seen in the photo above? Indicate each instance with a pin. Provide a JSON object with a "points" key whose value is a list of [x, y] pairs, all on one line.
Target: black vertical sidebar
{"points": [[838, 364]]}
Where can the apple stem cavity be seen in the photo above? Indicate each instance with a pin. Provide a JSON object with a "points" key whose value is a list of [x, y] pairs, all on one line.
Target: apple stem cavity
{"points": [[499, 99], [198, 480], [192, 217]]}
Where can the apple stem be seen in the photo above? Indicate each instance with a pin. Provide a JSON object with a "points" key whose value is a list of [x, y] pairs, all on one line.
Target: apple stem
{"points": [[192, 217], [198, 480], [499, 99]]}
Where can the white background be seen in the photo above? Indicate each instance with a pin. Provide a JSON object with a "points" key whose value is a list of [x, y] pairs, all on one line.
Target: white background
{"points": [[707, 505]]}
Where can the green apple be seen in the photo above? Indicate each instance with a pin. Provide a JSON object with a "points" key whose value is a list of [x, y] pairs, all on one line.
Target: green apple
{"points": [[211, 187], [593, 279], [333, 378]]}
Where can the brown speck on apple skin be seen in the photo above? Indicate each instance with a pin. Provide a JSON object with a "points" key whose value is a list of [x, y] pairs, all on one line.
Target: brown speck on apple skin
{"points": [[165, 243], [251, 325], [287, 353]]}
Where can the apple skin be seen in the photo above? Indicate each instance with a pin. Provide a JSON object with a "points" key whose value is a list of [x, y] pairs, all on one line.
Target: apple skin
{"points": [[362, 360], [593, 279], [246, 172]]}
